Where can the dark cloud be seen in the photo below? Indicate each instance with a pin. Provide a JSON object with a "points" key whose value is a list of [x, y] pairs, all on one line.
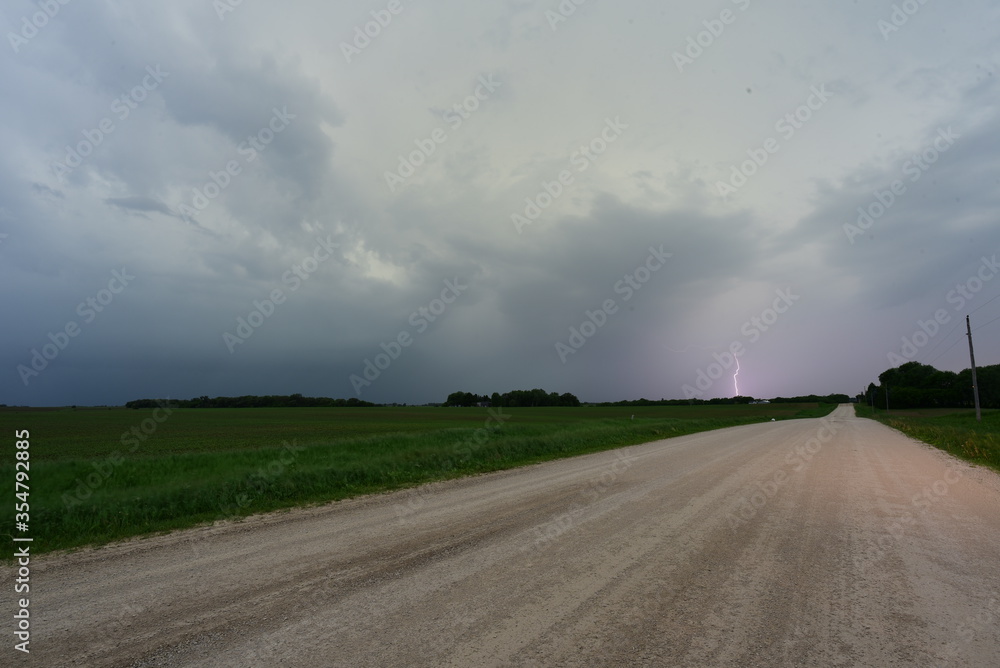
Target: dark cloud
{"points": [[219, 160], [140, 204]]}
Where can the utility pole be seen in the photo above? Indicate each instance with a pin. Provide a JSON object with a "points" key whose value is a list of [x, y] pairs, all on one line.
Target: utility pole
{"points": [[972, 358]]}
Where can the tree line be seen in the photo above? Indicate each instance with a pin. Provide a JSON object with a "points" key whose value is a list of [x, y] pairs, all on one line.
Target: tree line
{"points": [[806, 399], [916, 385], [512, 399], [253, 401]]}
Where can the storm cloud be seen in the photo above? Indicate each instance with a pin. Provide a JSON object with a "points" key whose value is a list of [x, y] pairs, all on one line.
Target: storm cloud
{"points": [[298, 189]]}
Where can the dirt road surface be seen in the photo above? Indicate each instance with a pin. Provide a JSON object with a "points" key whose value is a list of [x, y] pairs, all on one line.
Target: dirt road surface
{"points": [[834, 542]]}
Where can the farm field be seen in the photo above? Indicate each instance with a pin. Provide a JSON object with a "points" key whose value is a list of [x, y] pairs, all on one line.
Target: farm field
{"points": [[99, 475]]}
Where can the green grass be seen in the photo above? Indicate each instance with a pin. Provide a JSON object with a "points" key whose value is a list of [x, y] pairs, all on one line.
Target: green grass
{"points": [[91, 485], [955, 431]]}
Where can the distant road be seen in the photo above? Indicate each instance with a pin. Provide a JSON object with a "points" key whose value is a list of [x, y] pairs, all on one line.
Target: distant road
{"points": [[833, 542]]}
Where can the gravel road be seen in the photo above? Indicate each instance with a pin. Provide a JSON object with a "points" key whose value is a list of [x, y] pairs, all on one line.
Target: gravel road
{"points": [[833, 542]]}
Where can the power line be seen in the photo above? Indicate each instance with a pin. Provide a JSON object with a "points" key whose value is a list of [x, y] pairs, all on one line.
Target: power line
{"points": [[955, 327], [957, 341], [987, 323], [942, 340], [984, 304], [959, 338]]}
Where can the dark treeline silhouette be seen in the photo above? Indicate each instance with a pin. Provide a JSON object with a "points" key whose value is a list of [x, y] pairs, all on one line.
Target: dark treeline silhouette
{"points": [[678, 402], [251, 401], [512, 399], [916, 385], [808, 399], [813, 398]]}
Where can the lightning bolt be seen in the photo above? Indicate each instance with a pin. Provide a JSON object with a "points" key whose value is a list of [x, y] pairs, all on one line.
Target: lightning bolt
{"points": [[736, 382]]}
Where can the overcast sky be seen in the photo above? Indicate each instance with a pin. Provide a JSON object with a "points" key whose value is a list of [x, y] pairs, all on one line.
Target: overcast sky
{"points": [[227, 198]]}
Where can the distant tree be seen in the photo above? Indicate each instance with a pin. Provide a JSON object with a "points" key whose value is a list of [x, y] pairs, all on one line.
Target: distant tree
{"points": [[514, 399], [916, 385], [252, 401], [462, 399], [567, 399]]}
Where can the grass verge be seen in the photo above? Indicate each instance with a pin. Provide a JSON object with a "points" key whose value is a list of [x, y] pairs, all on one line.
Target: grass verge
{"points": [[78, 501], [956, 432]]}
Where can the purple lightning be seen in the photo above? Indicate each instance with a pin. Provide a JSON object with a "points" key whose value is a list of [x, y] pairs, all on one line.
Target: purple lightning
{"points": [[736, 382]]}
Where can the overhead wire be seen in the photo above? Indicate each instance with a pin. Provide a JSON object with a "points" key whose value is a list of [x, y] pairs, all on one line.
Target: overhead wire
{"points": [[957, 341], [942, 340], [997, 296], [976, 329]]}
